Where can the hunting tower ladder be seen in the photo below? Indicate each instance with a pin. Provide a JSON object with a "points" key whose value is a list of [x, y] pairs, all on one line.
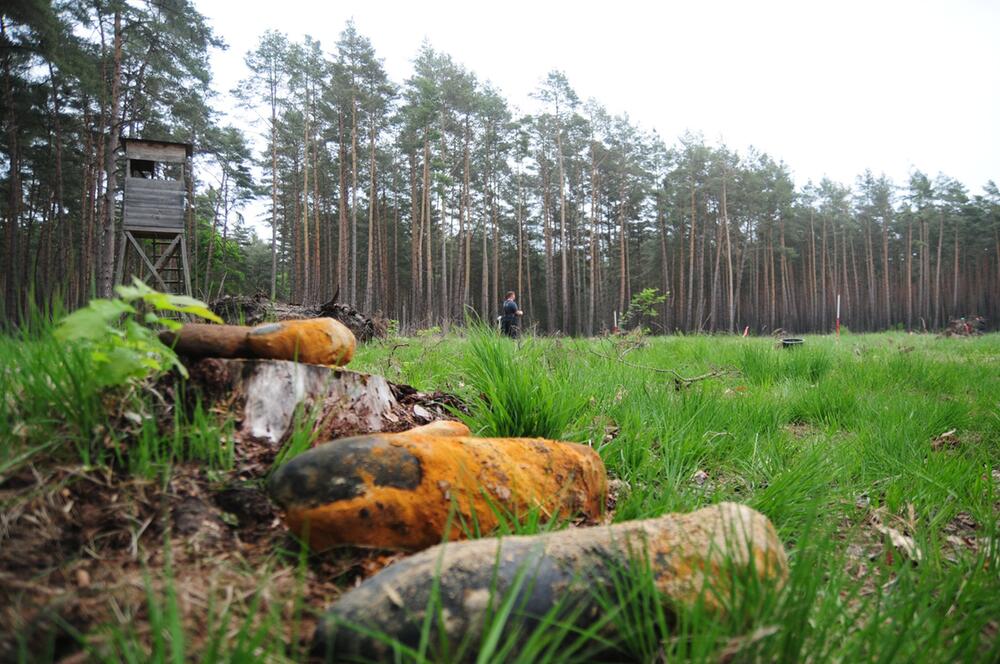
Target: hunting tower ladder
{"points": [[153, 241]]}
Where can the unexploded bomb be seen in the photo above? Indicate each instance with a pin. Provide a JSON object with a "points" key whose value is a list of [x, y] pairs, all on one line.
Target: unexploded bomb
{"points": [[408, 490]]}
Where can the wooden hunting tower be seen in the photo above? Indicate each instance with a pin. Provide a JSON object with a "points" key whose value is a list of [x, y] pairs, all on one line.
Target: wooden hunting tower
{"points": [[153, 214]]}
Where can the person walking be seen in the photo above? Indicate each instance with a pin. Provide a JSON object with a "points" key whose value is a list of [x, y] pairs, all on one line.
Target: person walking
{"points": [[510, 316]]}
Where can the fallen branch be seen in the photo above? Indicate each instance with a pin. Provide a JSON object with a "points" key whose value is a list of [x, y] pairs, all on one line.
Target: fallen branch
{"points": [[679, 380]]}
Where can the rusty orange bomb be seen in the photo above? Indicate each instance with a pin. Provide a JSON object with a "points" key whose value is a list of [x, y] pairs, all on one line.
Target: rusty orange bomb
{"points": [[311, 341], [408, 491]]}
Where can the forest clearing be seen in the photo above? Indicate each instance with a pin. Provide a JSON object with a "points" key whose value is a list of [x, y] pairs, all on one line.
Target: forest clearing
{"points": [[134, 527]]}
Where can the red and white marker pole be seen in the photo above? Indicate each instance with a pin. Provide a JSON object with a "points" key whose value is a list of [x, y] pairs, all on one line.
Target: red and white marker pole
{"points": [[838, 315]]}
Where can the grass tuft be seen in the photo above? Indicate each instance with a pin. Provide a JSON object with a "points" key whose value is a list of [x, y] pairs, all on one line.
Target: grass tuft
{"points": [[519, 390]]}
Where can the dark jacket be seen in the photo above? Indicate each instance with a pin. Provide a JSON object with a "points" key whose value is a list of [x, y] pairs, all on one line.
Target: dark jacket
{"points": [[509, 310]]}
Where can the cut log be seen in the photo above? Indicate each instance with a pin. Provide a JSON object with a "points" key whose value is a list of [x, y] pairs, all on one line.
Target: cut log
{"points": [[710, 556], [264, 396], [410, 490]]}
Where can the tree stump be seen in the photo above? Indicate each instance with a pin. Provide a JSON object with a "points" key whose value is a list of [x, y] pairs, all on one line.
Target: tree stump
{"points": [[265, 396]]}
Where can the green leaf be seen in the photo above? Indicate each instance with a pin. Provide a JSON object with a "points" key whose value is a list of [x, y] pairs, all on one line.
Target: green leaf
{"points": [[121, 364], [129, 348], [139, 335], [203, 312], [137, 290], [180, 303], [171, 361], [91, 322], [158, 301], [184, 301]]}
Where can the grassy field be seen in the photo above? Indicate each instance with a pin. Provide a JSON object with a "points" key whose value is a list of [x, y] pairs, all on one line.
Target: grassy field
{"points": [[877, 457]]}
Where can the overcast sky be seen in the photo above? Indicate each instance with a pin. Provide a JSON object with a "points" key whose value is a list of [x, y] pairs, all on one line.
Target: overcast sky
{"points": [[830, 88]]}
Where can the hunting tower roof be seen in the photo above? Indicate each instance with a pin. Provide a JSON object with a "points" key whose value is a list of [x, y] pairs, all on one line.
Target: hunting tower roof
{"points": [[168, 151]]}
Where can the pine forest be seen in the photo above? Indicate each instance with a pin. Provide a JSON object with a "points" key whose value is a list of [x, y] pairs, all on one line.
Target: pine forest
{"points": [[426, 199]]}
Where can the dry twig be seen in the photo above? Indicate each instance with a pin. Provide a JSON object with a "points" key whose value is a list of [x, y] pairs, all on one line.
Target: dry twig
{"points": [[679, 380]]}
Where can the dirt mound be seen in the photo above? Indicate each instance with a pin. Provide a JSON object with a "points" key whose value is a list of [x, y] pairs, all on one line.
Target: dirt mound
{"points": [[965, 327], [87, 547]]}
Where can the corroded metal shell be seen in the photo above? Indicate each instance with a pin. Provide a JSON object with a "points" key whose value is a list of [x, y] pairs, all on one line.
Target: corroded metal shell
{"points": [[312, 341], [410, 490], [693, 557]]}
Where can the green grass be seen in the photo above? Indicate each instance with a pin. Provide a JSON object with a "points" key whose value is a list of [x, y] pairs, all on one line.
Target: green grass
{"points": [[257, 635], [819, 438], [52, 406], [520, 391]]}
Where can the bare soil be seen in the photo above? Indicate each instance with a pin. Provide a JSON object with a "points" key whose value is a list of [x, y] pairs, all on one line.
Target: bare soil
{"points": [[82, 548]]}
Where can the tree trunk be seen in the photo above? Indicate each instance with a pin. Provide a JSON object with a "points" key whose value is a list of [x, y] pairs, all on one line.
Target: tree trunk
{"points": [[773, 304], [813, 287], [352, 292], [731, 296], [909, 275], [343, 231], [938, 322], [825, 302], [108, 242], [416, 241], [871, 286], [550, 289], [306, 294], [622, 256], [86, 211], [713, 310], [563, 245], [495, 254], [11, 271], [444, 260], [520, 233], [955, 309], [467, 234], [484, 295], [428, 224], [592, 244], [370, 266], [274, 184], [295, 292], [688, 321], [211, 236], [66, 238], [317, 275], [846, 284], [886, 303], [783, 262]]}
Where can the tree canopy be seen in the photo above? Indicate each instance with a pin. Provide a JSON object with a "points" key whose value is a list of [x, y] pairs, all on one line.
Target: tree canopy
{"points": [[428, 198]]}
